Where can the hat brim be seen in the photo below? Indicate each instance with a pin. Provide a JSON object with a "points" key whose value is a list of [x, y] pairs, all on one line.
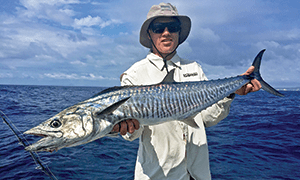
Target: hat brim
{"points": [[184, 32]]}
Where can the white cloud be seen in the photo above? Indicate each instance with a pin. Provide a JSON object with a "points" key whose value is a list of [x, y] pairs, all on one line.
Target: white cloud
{"points": [[93, 21], [34, 4], [290, 34], [54, 41], [90, 76], [205, 34], [61, 76], [6, 75], [78, 63], [267, 45], [88, 21], [52, 10]]}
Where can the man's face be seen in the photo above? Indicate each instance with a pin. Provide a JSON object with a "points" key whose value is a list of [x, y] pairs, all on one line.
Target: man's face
{"points": [[165, 41]]}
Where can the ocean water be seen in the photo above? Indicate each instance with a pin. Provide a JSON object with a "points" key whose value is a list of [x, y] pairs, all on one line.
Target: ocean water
{"points": [[260, 139]]}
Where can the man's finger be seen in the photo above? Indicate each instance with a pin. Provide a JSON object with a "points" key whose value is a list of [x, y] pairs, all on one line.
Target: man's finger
{"points": [[136, 124], [256, 85], [241, 91], [248, 89], [116, 128], [130, 126], [123, 129]]}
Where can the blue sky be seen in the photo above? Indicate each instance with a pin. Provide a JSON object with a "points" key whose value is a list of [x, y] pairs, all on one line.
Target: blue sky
{"points": [[92, 42]]}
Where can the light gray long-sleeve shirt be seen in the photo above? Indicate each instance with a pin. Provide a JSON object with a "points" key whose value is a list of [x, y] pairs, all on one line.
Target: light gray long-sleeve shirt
{"points": [[173, 150]]}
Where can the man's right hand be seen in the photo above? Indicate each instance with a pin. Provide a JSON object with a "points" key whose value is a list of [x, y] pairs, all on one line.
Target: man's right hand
{"points": [[129, 125]]}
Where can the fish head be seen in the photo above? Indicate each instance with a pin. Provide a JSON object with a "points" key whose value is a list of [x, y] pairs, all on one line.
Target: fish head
{"points": [[76, 125], [71, 127]]}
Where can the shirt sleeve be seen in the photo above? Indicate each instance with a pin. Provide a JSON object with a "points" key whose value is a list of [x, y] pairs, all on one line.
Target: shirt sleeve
{"points": [[126, 80], [215, 113]]}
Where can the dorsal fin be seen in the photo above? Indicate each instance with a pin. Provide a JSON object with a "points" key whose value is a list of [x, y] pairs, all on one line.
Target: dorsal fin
{"points": [[109, 90], [169, 77], [115, 88]]}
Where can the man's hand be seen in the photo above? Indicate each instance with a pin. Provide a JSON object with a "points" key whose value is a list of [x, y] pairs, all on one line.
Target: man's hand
{"points": [[250, 87], [129, 125]]}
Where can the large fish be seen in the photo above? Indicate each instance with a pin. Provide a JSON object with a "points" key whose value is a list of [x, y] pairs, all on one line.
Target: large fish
{"points": [[154, 104]]}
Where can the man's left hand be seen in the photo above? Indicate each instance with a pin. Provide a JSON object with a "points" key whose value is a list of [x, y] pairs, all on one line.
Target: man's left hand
{"points": [[252, 86]]}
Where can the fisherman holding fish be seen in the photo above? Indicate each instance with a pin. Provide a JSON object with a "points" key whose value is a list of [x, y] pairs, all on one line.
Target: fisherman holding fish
{"points": [[169, 118], [172, 150]]}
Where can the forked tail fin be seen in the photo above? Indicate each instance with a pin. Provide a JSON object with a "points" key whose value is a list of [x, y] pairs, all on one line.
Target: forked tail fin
{"points": [[256, 75]]}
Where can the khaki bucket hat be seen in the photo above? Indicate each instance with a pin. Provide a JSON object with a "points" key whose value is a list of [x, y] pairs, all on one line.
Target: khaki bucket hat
{"points": [[163, 10]]}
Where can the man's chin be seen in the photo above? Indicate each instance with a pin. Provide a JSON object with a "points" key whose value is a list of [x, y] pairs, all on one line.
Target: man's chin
{"points": [[167, 49]]}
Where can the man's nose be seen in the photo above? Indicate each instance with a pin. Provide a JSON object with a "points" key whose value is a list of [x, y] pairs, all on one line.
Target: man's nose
{"points": [[166, 31]]}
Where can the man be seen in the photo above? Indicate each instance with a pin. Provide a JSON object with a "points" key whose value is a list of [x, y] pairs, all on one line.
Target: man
{"points": [[172, 150]]}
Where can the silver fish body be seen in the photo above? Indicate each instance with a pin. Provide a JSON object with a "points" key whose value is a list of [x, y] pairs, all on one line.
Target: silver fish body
{"points": [[150, 105], [156, 104]]}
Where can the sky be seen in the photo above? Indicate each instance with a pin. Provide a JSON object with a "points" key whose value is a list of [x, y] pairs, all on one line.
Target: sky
{"points": [[92, 42]]}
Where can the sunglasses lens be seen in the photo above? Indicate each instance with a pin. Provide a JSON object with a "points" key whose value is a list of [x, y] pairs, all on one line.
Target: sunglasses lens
{"points": [[173, 28], [157, 29], [160, 27]]}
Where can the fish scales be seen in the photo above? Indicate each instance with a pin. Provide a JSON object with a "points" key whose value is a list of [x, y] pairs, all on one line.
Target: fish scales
{"points": [[187, 100]]}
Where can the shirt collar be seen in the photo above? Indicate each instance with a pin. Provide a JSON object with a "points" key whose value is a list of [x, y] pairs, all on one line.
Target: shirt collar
{"points": [[159, 63]]}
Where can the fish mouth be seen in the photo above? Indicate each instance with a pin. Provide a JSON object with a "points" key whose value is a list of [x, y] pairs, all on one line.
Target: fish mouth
{"points": [[43, 144], [47, 143], [41, 135]]}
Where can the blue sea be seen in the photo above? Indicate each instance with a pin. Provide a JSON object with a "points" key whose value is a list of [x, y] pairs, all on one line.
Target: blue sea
{"points": [[260, 139]]}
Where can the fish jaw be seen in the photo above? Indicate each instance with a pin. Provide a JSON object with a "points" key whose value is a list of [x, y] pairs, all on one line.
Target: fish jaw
{"points": [[49, 142], [52, 141], [45, 144]]}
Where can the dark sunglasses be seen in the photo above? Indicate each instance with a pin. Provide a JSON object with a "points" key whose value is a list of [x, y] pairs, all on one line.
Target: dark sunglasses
{"points": [[160, 27]]}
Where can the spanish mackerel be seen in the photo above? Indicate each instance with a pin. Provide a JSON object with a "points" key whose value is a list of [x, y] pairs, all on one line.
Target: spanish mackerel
{"points": [[95, 118]]}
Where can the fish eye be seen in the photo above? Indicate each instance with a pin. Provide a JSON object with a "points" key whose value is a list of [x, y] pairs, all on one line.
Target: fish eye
{"points": [[55, 123]]}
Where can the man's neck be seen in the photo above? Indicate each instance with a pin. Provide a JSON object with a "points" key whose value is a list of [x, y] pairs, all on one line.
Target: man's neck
{"points": [[169, 56]]}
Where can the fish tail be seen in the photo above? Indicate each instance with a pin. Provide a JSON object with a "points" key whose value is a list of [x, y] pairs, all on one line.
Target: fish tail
{"points": [[256, 75]]}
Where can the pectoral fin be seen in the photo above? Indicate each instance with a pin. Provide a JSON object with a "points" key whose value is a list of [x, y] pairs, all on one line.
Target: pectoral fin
{"points": [[110, 109]]}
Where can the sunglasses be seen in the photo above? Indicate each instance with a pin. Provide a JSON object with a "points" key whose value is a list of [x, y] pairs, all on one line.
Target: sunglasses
{"points": [[158, 28]]}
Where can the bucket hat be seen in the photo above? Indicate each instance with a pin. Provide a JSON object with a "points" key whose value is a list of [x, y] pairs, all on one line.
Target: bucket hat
{"points": [[164, 10]]}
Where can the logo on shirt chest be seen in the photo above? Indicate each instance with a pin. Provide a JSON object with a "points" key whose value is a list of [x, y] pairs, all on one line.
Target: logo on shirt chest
{"points": [[190, 74]]}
